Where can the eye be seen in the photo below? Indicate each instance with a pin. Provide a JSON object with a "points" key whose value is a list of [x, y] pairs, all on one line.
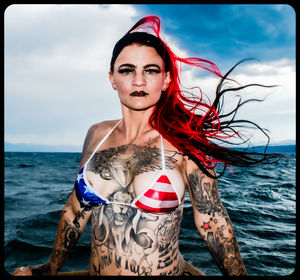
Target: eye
{"points": [[152, 71], [126, 71]]}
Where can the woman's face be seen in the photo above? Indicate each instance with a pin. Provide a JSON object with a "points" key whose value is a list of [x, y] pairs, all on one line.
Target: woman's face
{"points": [[139, 77]]}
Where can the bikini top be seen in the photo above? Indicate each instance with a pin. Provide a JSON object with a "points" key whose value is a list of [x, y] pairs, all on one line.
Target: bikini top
{"points": [[159, 197]]}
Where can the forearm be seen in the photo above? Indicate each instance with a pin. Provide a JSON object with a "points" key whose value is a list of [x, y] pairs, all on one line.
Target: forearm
{"points": [[72, 222], [67, 236], [223, 247], [213, 222]]}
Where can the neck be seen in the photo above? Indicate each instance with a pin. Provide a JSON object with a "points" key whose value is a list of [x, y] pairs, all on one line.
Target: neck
{"points": [[136, 123]]}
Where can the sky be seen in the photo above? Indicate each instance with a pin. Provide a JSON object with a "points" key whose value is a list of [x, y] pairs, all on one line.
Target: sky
{"points": [[57, 62]]}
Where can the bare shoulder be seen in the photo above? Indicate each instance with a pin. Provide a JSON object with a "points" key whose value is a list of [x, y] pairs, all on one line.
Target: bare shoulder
{"points": [[192, 168], [100, 129], [94, 134]]}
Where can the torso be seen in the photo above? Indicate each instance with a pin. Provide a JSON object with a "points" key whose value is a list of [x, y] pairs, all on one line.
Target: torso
{"points": [[126, 240]]}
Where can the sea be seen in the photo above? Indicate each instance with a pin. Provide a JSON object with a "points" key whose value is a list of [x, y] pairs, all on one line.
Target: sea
{"points": [[261, 202]]}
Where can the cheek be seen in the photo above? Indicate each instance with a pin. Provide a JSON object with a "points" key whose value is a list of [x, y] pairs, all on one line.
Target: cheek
{"points": [[122, 85], [158, 88], [156, 85]]}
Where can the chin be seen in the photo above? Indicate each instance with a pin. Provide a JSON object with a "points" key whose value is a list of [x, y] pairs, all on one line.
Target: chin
{"points": [[141, 107]]}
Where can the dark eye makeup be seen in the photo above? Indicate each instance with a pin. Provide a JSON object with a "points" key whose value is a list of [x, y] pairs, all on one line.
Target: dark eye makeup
{"points": [[151, 71], [130, 70], [126, 68]]}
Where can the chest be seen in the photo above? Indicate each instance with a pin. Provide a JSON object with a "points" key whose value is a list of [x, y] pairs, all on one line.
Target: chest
{"points": [[132, 169]]}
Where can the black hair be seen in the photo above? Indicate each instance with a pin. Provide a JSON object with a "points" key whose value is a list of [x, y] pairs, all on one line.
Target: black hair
{"points": [[144, 39]]}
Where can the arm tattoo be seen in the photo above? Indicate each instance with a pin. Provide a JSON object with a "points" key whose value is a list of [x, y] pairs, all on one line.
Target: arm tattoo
{"points": [[218, 232], [68, 236], [80, 215], [205, 194], [226, 254]]}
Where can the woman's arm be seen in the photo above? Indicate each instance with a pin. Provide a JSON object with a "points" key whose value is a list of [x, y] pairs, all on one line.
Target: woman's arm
{"points": [[71, 225], [213, 222]]}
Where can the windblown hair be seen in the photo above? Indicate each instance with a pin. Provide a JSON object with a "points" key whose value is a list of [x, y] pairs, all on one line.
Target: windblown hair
{"points": [[190, 123]]}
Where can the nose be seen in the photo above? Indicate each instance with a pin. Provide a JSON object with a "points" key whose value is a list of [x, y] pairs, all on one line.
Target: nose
{"points": [[139, 79]]}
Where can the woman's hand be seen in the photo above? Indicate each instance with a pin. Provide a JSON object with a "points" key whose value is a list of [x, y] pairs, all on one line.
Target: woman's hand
{"points": [[36, 270], [22, 271]]}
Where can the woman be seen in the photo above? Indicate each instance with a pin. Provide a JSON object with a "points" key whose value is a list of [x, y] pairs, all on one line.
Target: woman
{"points": [[134, 171]]}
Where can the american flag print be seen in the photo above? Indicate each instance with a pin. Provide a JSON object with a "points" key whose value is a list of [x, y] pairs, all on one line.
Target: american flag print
{"points": [[85, 194], [161, 197]]}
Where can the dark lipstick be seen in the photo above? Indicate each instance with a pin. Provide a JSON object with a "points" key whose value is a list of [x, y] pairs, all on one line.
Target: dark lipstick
{"points": [[139, 93]]}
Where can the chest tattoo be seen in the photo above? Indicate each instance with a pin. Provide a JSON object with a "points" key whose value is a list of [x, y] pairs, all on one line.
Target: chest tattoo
{"points": [[125, 162]]}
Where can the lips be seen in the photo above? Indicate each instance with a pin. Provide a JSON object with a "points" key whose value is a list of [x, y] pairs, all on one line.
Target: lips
{"points": [[139, 93]]}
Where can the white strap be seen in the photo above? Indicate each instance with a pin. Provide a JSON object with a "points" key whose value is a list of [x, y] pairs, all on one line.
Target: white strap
{"points": [[103, 140], [163, 164]]}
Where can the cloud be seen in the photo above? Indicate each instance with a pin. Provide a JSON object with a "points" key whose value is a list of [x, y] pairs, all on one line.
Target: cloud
{"points": [[56, 74], [276, 113], [221, 32], [56, 70]]}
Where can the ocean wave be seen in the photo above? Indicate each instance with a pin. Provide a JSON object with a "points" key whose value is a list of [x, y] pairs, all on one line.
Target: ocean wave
{"points": [[260, 203]]}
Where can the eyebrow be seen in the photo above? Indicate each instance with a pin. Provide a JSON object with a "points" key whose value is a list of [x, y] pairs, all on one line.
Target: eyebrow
{"points": [[133, 66], [152, 65]]}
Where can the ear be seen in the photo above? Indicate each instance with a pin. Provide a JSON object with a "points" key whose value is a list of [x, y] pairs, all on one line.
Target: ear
{"points": [[167, 80], [112, 80]]}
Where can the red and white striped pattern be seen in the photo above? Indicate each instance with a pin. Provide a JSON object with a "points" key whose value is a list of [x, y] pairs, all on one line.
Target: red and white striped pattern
{"points": [[160, 198]]}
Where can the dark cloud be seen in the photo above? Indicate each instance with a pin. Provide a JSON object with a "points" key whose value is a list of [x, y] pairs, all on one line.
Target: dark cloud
{"points": [[227, 31]]}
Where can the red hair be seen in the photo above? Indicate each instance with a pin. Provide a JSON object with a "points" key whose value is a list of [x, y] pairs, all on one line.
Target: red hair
{"points": [[174, 115], [190, 123]]}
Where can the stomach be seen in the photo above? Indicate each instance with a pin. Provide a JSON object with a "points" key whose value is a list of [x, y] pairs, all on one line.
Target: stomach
{"points": [[127, 241]]}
